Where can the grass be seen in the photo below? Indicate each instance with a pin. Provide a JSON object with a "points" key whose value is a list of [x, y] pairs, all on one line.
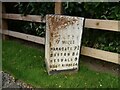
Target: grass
{"points": [[27, 64]]}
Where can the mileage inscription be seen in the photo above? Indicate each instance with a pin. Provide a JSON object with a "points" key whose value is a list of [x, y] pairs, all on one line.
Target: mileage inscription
{"points": [[63, 41]]}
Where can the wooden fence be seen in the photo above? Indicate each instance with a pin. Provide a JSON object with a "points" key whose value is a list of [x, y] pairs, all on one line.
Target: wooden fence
{"points": [[111, 25]]}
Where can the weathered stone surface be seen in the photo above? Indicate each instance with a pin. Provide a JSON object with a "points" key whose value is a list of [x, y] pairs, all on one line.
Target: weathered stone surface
{"points": [[9, 81], [63, 42]]}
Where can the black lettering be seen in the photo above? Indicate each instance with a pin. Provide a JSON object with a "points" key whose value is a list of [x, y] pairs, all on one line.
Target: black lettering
{"points": [[62, 48], [59, 48], [68, 42], [73, 54], [51, 55], [50, 60], [66, 64], [78, 48], [75, 47], [68, 59], [73, 41], [65, 59], [50, 66], [64, 54], [56, 48], [57, 41], [68, 54], [68, 48], [65, 49], [77, 53], [76, 59], [51, 48], [68, 36], [63, 42]]}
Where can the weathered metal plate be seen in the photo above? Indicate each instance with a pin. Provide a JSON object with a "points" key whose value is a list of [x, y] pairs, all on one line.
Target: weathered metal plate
{"points": [[63, 41]]}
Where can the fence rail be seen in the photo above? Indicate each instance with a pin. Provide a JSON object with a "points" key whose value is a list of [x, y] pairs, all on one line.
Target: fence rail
{"points": [[31, 18], [87, 51], [110, 25]]}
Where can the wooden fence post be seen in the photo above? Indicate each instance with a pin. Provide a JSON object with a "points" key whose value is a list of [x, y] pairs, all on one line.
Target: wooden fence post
{"points": [[4, 23], [58, 7]]}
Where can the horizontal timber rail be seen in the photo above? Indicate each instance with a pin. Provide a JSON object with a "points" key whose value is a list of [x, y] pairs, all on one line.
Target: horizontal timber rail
{"points": [[87, 51], [111, 25]]}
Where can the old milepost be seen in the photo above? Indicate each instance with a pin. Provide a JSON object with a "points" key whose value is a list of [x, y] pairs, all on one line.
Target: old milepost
{"points": [[63, 42]]}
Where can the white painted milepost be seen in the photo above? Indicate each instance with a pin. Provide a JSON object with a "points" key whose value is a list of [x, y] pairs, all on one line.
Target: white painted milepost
{"points": [[63, 42]]}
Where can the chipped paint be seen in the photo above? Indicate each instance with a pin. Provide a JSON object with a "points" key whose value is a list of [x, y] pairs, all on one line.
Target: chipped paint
{"points": [[63, 40]]}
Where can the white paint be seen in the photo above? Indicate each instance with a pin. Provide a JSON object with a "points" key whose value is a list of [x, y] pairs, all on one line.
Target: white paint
{"points": [[70, 38]]}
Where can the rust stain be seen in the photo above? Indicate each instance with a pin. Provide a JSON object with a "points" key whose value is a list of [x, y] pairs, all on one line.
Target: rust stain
{"points": [[57, 23]]}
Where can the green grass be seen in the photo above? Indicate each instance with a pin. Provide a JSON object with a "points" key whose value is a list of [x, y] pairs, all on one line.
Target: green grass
{"points": [[27, 64]]}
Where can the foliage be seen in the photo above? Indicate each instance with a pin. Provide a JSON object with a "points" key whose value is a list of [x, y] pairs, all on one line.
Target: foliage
{"points": [[30, 68], [104, 40], [93, 38], [34, 8], [100, 10], [25, 8], [28, 27], [103, 10]]}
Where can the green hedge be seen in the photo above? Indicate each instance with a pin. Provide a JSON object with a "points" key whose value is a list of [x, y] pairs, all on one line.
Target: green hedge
{"points": [[105, 40]]}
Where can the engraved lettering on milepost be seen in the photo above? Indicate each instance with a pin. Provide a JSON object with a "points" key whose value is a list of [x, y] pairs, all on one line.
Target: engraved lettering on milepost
{"points": [[63, 40]]}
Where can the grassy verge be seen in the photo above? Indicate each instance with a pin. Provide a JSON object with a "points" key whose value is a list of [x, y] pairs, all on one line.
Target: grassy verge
{"points": [[27, 64]]}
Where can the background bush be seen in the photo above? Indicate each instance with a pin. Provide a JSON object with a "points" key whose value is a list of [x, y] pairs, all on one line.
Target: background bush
{"points": [[105, 40]]}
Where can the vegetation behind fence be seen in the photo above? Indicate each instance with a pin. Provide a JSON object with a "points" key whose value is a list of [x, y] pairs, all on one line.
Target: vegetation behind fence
{"points": [[107, 25]]}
